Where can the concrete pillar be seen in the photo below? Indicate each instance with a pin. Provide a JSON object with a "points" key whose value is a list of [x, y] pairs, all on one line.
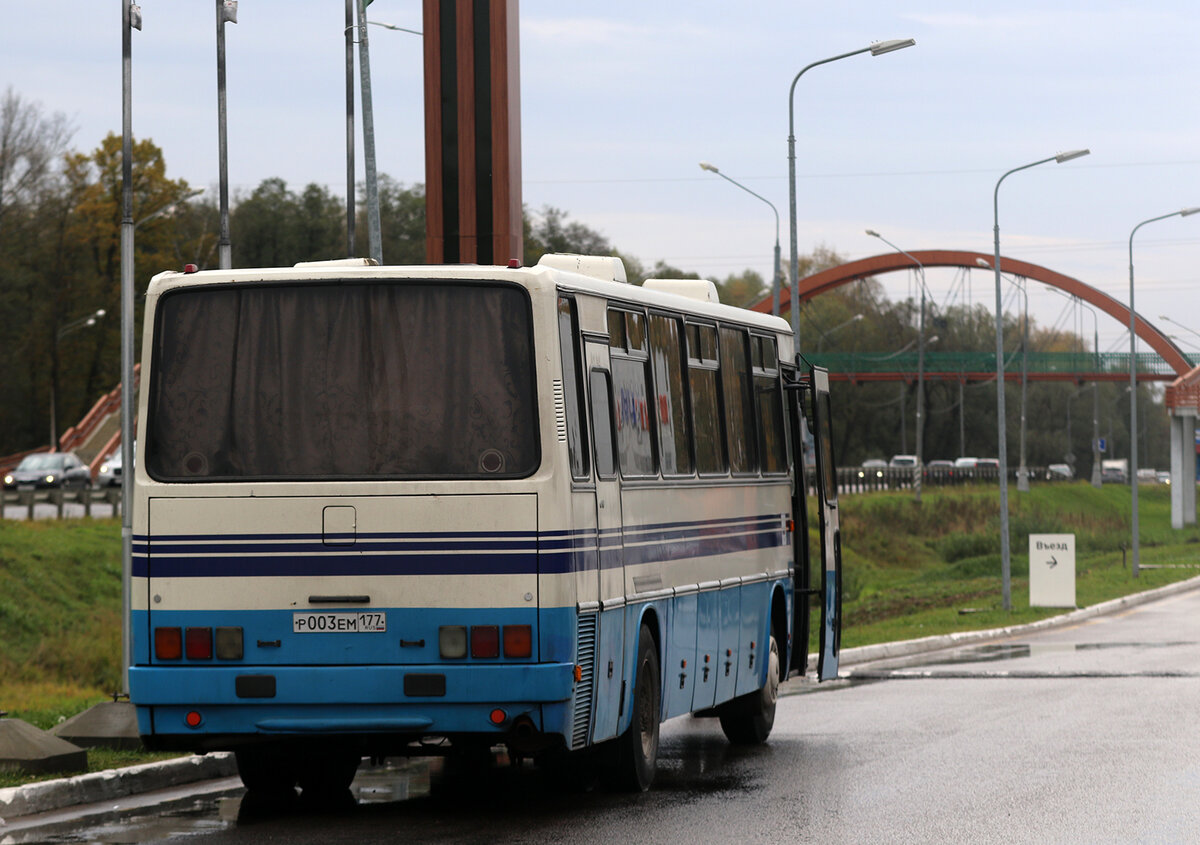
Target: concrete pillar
{"points": [[1183, 470]]}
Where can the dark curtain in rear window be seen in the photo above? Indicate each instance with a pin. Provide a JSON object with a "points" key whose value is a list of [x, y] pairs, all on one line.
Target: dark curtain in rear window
{"points": [[343, 381]]}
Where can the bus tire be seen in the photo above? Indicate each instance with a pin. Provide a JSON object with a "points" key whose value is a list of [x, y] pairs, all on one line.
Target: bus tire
{"points": [[635, 757], [266, 771], [748, 719], [327, 776]]}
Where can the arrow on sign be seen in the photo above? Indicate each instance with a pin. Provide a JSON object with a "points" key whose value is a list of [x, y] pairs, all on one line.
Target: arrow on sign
{"points": [[1053, 562]]}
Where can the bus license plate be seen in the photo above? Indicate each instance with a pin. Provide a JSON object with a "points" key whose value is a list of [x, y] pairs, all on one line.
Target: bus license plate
{"points": [[339, 623]]}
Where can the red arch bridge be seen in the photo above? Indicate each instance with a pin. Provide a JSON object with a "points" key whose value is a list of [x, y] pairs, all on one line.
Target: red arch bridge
{"points": [[1167, 362]]}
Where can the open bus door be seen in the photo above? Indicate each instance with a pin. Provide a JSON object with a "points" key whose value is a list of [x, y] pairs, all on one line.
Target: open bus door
{"points": [[812, 391]]}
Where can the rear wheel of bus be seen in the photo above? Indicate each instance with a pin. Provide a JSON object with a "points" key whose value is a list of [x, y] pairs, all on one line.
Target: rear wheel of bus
{"points": [[635, 753], [748, 719]]}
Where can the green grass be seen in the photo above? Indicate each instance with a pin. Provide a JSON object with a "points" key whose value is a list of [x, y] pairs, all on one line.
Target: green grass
{"points": [[910, 571], [914, 570]]}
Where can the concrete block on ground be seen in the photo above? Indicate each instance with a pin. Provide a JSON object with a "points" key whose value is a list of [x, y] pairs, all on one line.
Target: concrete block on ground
{"points": [[25, 748], [109, 724]]}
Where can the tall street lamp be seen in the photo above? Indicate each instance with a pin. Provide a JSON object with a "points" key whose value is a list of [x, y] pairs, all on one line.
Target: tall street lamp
{"points": [[1133, 430], [1019, 286], [374, 236], [877, 49], [131, 19], [1005, 562], [825, 335], [704, 165], [226, 13], [920, 367]]}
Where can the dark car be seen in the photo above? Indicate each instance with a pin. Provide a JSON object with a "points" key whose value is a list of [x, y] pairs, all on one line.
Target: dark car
{"points": [[49, 471]]}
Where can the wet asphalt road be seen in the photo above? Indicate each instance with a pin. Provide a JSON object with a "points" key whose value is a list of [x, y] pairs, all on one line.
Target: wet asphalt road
{"points": [[1086, 734]]}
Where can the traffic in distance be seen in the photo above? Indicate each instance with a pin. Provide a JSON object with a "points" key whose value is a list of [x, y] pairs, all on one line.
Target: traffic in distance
{"points": [[396, 511]]}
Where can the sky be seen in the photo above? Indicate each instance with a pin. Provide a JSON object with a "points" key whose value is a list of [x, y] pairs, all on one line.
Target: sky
{"points": [[621, 101]]}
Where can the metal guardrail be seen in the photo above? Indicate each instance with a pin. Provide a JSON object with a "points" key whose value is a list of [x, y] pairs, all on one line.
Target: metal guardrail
{"points": [[24, 504], [865, 479]]}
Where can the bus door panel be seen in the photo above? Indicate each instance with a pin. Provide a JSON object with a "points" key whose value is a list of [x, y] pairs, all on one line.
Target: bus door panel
{"points": [[708, 621], [680, 674], [728, 646], [831, 538], [610, 557], [755, 644], [802, 458]]}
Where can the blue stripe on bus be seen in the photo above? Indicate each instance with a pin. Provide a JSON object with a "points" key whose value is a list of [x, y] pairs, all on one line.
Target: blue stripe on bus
{"points": [[213, 556]]}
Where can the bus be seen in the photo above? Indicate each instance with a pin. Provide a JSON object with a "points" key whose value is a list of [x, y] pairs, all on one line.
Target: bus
{"points": [[437, 510]]}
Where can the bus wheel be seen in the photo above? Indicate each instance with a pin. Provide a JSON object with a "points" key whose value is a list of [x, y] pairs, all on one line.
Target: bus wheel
{"points": [[636, 751], [326, 777], [267, 772], [748, 719]]}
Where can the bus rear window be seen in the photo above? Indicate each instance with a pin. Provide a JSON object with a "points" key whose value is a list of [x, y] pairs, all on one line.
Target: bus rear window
{"points": [[363, 381]]}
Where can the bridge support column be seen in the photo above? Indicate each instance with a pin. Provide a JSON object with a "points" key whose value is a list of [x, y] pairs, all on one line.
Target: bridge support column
{"points": [[1183, 469]]}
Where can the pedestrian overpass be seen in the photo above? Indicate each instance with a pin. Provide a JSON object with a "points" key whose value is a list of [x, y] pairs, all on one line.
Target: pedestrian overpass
{"points": [[1167, 362]]}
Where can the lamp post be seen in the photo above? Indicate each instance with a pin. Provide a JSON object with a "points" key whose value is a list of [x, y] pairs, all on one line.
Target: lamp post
{"points": [[1005, 562], [348, 34], [1133, 428], [704, 165], [81, 323], [374, 236], [877, 49], [131, 18], [920, 437], [226, 12]]}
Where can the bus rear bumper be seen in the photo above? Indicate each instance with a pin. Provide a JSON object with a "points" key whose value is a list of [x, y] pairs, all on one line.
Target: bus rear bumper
{"points": [[186, 708]]}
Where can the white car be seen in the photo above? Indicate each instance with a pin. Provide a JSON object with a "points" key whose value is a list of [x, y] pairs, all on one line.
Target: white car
{"points": [[110, 471]]}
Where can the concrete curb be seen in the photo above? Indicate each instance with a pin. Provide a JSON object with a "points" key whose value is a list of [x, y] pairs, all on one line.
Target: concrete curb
{"points": [[906, 648], [115, 783]]}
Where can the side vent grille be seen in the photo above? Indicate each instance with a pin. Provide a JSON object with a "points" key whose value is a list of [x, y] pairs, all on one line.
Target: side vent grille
{"points": [[586, 659], [560, 411]]}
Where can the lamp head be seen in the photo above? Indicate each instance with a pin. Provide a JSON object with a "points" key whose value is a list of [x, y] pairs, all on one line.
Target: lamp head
{"points": [[881, 47], [982, 262], [873, 233], [1188, 211], [857, 317], [704, 165], [1070, 154], [100, 312]]}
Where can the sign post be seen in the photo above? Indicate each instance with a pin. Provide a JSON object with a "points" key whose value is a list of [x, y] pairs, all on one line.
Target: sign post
{"points": [[1052, 570]]}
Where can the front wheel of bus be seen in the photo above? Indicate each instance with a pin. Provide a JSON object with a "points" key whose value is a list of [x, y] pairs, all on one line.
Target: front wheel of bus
{"points": [[748, 719], [636, 752]]}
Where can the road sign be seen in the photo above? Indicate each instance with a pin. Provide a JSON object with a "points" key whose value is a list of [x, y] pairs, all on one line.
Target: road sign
{"points": [[1101, 444], [1051, 570]]}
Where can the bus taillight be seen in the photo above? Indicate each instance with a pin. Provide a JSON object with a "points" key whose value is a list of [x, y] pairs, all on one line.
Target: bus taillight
{"points": [[518, 641], [198, 643], [168, 643], [485, 641]]}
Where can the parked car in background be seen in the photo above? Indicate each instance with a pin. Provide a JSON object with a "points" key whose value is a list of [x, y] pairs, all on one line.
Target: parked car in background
{"points": [[1164, 477], [110, 471], [903, 461], [1058, 472], [1112, 475], [49, 471], [939, 469], [966, 463], [873, 465]]}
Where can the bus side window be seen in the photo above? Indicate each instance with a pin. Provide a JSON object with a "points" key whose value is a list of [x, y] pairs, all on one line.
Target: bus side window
{"points": [[666, 360], [769, 405], [702, 387], [568, 341], [739, 402], [633, 409], [602, 423]]}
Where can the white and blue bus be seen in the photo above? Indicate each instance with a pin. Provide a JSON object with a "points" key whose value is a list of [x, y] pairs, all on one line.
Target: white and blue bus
{"points": [[386, 511]]}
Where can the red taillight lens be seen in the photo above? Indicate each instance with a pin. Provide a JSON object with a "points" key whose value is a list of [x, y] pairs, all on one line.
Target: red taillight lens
{"points": [[518, 641], [168, 643], [198, 643], [485, 641]]}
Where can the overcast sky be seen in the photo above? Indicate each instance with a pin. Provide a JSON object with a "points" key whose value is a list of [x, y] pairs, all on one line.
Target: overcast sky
{"points": [[621, 101]]}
